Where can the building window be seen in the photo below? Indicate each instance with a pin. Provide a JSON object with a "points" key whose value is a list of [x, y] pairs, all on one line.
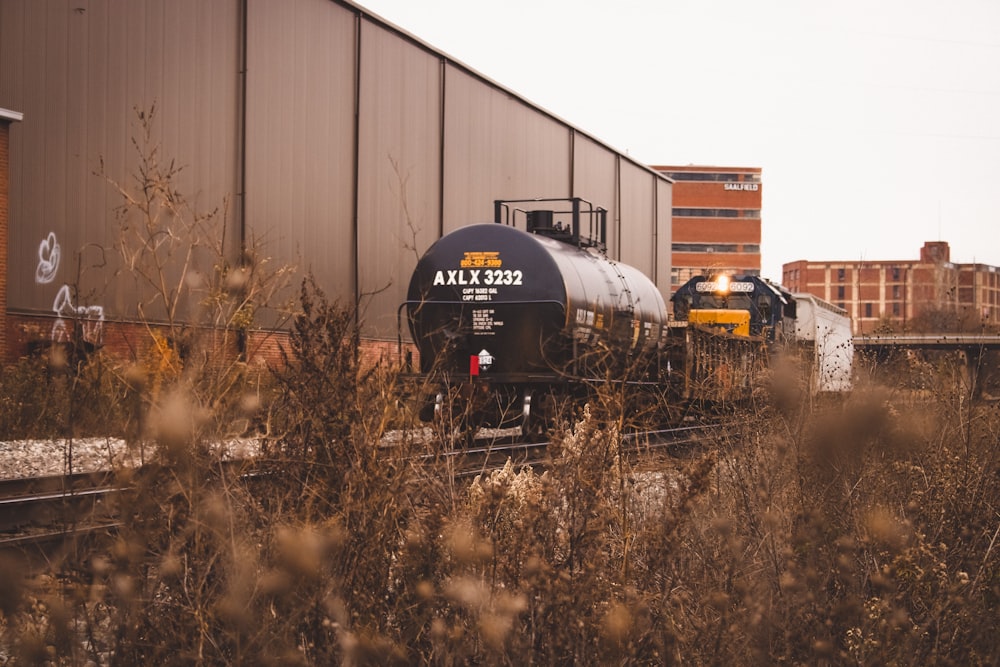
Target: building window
{"points": [[840, 275], [895, 273], [703, 247], [840, 292], [716, 213], [706, 176], [680, 275], [707, 213], [895, 309], [868, 310], [895, 292]]}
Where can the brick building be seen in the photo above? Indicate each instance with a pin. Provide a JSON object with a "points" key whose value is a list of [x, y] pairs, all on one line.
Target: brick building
{"points": [[927, 294], [716, 221]]}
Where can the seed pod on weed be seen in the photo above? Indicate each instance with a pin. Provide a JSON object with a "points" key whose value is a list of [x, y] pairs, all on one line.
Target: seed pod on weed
{"points": [[171, 566], [275, 583], [467, 591], [617, 623], [494, 629], [250, 403], [465, 545], [425, 589], [301, 552], [11, 584], [123, 585], [886, 529]]}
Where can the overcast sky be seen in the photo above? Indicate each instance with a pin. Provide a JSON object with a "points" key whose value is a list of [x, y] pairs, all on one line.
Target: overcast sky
{"points": [[876, 122]]}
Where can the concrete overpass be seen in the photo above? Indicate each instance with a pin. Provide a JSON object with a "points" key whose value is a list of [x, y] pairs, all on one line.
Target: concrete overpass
{"points": [[925, 341], [970, 349]]}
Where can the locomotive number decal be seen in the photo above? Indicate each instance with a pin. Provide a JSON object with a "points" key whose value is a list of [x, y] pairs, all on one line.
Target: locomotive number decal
{"points": [[479, 277], [713, 286]]}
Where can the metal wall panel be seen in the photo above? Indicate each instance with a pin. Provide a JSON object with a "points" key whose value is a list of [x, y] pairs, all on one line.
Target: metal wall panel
{"points": [[595, 178], [638, 219], [300, 144], [79, 72], [341, 114], [664, 237], [399, 169], [497, 147]]}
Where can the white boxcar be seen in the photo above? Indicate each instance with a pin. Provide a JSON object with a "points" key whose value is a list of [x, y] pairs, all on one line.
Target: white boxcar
{"points": [[827, 329]]}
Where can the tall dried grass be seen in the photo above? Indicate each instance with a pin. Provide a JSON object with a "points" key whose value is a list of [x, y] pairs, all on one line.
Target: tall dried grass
{"points": [[860, 530], [855, 531]]}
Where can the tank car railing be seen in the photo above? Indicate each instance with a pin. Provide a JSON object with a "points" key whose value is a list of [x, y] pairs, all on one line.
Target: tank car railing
{"points": [[597, 220]]}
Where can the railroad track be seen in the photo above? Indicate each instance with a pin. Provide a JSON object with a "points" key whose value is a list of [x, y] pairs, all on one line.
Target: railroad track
{"points": [[672, 442], [54, 499], [42, 516], [479, 460], [494, 454], [38, 514], [44, 512]]}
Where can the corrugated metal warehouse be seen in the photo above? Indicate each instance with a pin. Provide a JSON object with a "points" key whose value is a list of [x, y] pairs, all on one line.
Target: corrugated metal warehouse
{"points": [[342, 143]]}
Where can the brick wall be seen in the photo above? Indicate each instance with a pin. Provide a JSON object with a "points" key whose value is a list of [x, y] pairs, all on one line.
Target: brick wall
{"points": [[4, 226], [29, 334]]}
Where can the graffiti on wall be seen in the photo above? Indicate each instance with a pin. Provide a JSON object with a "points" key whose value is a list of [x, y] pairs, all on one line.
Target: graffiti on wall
{"points": [[90, 319], [48, 259]]}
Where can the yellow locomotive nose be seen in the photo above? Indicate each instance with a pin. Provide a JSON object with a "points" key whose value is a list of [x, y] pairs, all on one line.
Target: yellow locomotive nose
{"points": [[736, 322]]}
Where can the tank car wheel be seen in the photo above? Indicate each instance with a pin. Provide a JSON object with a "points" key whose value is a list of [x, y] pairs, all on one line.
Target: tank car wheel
{"points": [[532, 425], [453, 428], [545, 411], [440, 420]]}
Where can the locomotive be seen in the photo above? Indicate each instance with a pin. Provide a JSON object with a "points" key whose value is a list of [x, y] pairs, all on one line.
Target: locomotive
{"points": [[731, 326], [513, 316]]}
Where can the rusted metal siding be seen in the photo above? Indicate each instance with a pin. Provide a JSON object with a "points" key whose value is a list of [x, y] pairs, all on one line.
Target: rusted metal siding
{"points": [[399, 169], [300, 144], [79, 71], [497, 147]]}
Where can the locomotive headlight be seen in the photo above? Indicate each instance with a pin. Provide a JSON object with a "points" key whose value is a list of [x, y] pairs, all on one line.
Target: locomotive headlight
{"points": [[722, 284]]}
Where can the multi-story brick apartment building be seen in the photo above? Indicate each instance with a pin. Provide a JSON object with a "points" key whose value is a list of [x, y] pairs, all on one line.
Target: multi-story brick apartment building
{"points": [[927, 294], [716, 220]]}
